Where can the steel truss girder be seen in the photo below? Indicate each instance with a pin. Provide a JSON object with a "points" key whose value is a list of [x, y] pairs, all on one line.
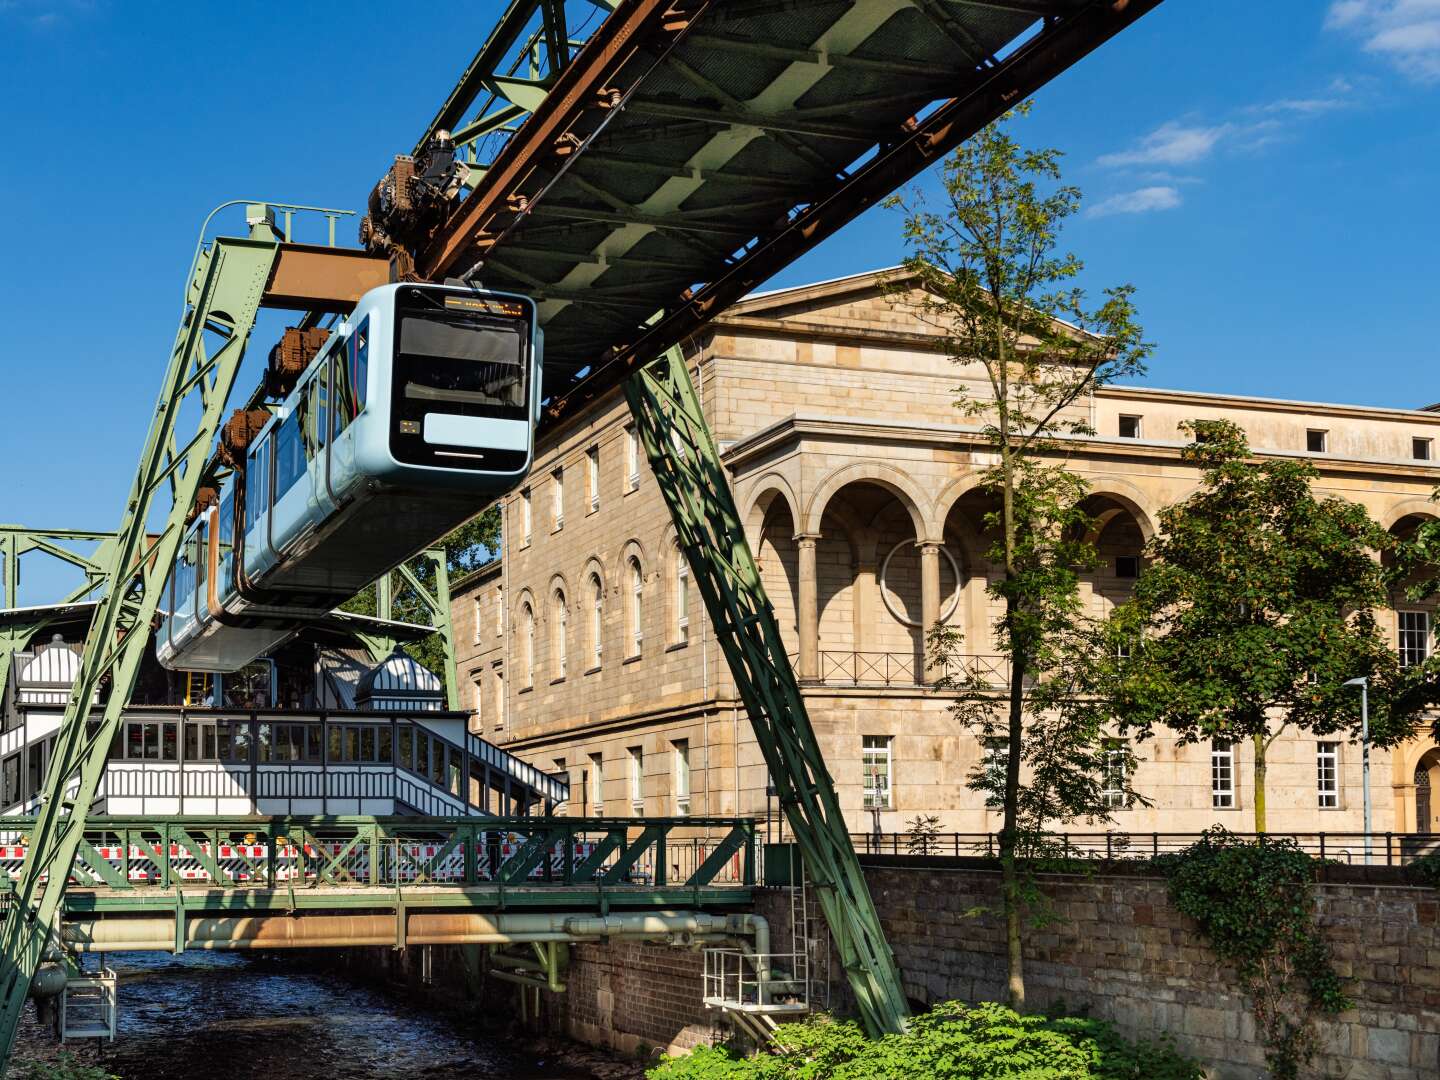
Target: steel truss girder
{"points": [[222, 298], [436, 604], [687, 468]]}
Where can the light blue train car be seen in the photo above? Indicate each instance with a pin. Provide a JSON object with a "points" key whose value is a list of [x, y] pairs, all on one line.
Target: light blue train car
{"points": [[419, 409]]}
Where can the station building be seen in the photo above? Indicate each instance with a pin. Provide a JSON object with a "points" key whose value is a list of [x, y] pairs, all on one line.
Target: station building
{"points": [[584, 649]]}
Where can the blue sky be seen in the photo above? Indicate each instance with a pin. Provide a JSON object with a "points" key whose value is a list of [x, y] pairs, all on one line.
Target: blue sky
{"points": [[1265, 174]]}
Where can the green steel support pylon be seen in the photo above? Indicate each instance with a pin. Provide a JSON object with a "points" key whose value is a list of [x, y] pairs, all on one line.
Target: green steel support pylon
{"points": [[436, 605], [687, 467], [223, 295]]}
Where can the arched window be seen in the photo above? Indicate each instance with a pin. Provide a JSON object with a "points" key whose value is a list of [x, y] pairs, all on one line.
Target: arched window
{"points": [[682, 596], [597, 619], [527, 645], [635, 623], [558, 647]]}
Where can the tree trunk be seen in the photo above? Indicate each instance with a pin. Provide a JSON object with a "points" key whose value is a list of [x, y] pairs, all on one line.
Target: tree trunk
{"points": [[1260, 747], [1009, 870]]}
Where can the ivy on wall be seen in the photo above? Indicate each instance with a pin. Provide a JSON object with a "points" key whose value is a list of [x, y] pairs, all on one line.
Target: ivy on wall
{"points": [[1255, 903]]}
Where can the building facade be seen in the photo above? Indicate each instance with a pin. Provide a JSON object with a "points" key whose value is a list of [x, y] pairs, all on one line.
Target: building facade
{"points": [[584, 648]]}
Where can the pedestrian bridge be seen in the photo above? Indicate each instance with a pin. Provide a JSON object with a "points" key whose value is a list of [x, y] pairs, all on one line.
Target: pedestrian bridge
{"points": [[304, 882]]}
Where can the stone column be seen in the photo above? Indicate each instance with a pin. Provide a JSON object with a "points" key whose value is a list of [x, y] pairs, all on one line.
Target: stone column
{"points": [[929, 601], [807, 610]]}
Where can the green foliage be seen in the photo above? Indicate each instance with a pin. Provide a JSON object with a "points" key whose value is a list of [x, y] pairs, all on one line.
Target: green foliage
{"points": [[1255, 607], [1425, 870], [951, 1042], [64, 1067], [1255, 904], [922, 835]]}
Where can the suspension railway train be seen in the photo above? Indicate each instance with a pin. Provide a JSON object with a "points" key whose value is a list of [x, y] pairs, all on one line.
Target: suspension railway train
{"points": [[418, 409]]}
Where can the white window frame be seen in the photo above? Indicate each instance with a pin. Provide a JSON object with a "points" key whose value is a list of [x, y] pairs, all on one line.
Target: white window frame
{"points": [[877, 763], [682, 598], [527, 518], [527, 628], [1324, 434], [1139, 426], [1418, 442], [637, 779], [476, 640], [1412, 641], [597, 793], [597, 620], [682, 776], [637, 606], [1114, 770], [592, 476], [1222, 776], [560, 644], [557, 498], [499, 698], [632, 458], [499, 610], [1327, 774]]}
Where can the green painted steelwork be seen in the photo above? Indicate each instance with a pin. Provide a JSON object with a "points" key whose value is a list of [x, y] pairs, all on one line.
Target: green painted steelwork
{"points": [[436, 605], [683, 456], [259, 863], [222, 296], [17, 541]]}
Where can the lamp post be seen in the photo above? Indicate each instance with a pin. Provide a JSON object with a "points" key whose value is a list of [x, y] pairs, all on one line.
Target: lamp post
{"points": [[1364, 683]]}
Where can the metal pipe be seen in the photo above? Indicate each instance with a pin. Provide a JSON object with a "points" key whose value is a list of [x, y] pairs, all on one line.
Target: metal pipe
{"points": [[120, 934]]}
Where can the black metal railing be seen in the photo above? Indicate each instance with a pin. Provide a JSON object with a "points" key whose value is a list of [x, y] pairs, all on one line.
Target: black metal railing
{"points": [[1385, 848], [839, 667]]}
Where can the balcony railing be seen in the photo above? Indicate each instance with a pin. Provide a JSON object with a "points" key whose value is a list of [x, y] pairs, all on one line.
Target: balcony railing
{"points": [[842, 668]]}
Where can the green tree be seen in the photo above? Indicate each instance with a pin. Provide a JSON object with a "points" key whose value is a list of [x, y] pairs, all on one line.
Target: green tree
{"points": [[984, 271], [1256, 606]]}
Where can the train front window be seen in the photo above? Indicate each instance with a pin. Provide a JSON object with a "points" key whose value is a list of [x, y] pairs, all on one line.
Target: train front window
{"points": [[458, 355]]}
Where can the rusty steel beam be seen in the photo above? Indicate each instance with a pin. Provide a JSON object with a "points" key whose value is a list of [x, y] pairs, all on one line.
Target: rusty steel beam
{"points": [[552, 136], [310, 277], [1056, 48]]}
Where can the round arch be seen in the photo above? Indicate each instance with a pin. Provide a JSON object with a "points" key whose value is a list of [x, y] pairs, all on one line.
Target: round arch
{"points": [[897, 482], [1416, 507], [765, 490], [1130, 497]]}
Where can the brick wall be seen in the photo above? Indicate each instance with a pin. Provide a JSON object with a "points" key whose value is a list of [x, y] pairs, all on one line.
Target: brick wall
{"points": [[1118, 949], [630, 998]]}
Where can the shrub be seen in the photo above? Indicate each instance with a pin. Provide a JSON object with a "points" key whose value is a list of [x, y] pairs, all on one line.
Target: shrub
{"points": [[952, 1041], [63, 1067]]}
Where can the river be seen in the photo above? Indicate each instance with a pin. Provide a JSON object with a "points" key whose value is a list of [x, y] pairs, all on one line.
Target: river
{"points": [[207, 1015]]}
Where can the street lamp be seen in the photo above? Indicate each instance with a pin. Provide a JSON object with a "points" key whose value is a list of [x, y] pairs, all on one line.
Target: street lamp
{"points": [[1364, 683]]}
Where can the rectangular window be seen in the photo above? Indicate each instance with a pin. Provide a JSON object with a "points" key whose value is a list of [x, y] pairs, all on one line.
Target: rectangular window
{"points": [[875, 770], [1327, 775], [637, 780], [1115, 769], [1316, 440], [682, 597], [499, 699], [1420, 449], [499, 609], [1414, 643], [526, 518], [1222, 775], [1127, 566], [1129, 427], [996, 766], [557, 508], [597, 784], [592, 476], [632, 458], [289, 455], [257, 483], [476, 613], [682, 776], [151, 740]]}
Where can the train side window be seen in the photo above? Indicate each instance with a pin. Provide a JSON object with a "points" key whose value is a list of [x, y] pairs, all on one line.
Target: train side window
{"points": [[360, 354], [289, 455], [227, 537], [320, 407], [202, 563], [257, 483]]}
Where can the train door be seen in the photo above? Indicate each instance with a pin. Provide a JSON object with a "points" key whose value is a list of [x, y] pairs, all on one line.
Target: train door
{"points": [[349, 367]]}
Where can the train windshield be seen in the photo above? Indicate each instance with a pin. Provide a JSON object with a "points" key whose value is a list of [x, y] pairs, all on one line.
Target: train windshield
{"points": [[462, 355]]}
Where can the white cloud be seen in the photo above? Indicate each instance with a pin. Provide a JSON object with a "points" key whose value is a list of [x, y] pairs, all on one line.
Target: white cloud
{"points": [[1140, 201], [1170, 144], [1405, 32]]}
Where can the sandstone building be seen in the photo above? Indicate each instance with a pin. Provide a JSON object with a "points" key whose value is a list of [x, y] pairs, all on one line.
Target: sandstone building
{"points": [[584, 648]]}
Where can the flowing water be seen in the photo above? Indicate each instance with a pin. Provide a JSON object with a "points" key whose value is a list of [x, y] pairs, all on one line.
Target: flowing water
{"points": [[210, 1015]]}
